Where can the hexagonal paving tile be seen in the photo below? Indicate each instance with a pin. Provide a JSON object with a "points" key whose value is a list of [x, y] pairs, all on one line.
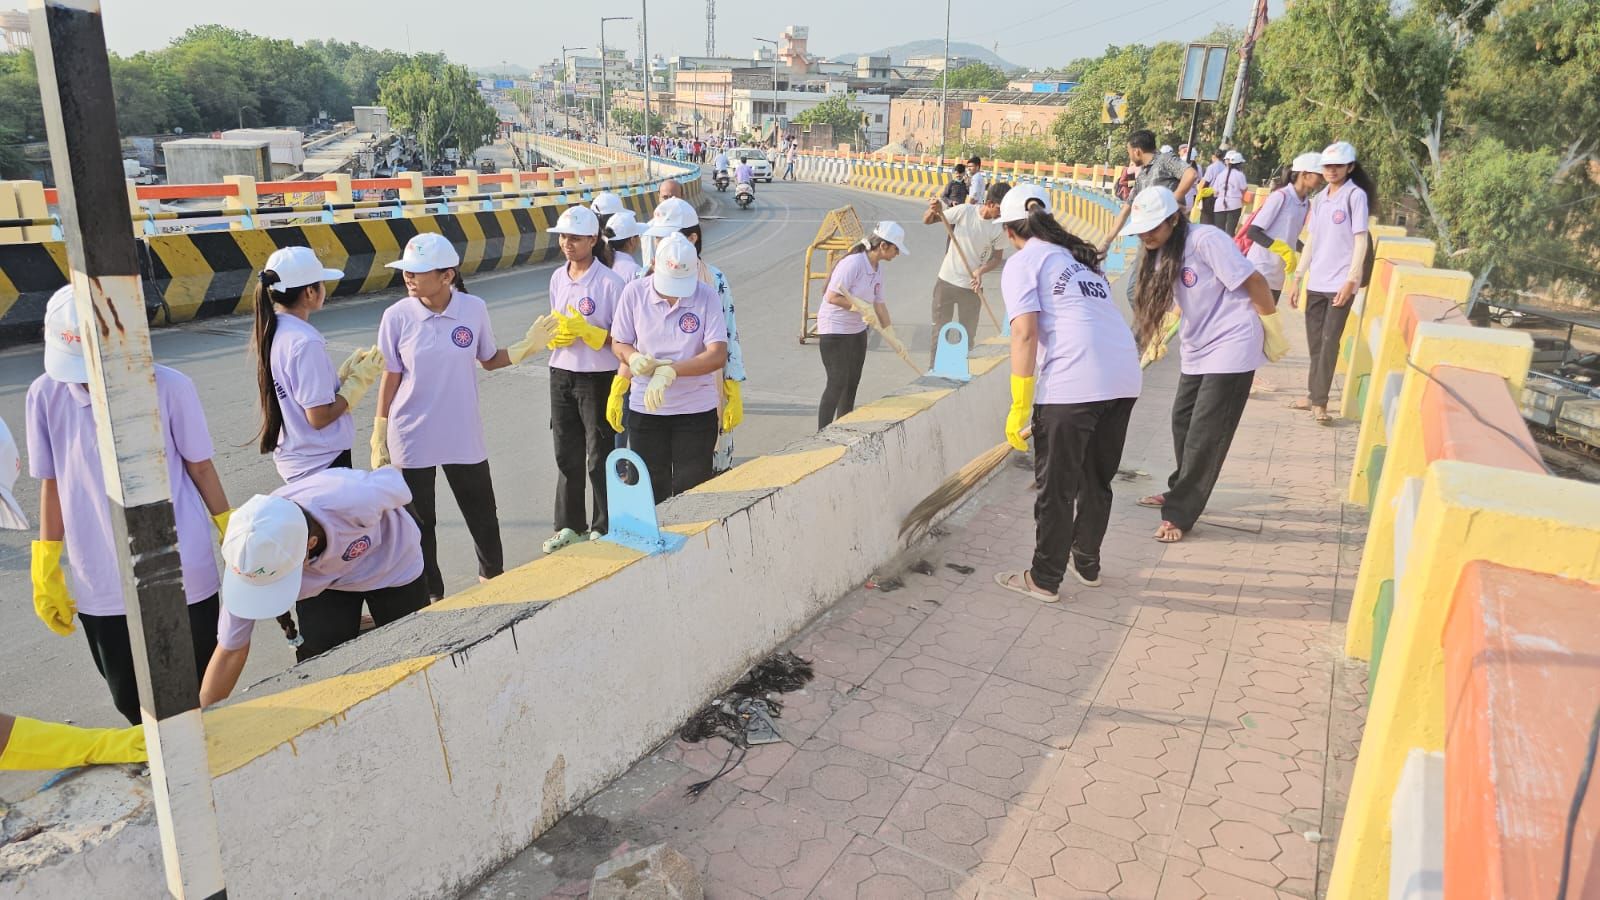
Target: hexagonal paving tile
{"points": [[1048, 717], [1176, 701], [1063, 652], [1288, 641], [752, 769], [842, 785], [1247, 843], [1196, 624], [1163, 654], [926, 680], [760, 847], [887, 728], [1063, 859], [1275, 782], [1184, 880], [956, 826], [871, 870], [1112, 800], [805, 710], [1155, 749], [999, 764], [888, 617], [961, 638], [842, 654]]}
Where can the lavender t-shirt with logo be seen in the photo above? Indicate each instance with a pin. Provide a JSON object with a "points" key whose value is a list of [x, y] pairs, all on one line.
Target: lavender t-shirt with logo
{"points": [[1220, 330], [1086, 351], [1282, 217], [304, 377], [856, 276], [675, 331], [373, 542], [62, 445], [434, 418], [1333, 223], [593, 296]]}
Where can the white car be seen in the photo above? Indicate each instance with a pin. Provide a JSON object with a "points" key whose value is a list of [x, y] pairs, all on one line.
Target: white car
{"points": [[756, 157]]}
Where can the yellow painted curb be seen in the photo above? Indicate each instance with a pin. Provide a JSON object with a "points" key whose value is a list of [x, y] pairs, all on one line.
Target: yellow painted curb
{"points": [[779, 470], [897, 408]]}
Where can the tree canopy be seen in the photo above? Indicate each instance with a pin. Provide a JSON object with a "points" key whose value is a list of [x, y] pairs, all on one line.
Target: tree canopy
{"points": [[438, 103], [977, 76], [839, 112]]}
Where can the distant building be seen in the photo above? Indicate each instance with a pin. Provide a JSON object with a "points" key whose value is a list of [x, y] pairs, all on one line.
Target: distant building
{"points": [[979, 116], [1041, 87], [16, 32], [936, 63]]}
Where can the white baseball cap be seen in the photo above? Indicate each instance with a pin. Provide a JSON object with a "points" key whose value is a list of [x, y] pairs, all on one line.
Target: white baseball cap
{"points": [[427, 252], [1339, 153], [677, 267], [623, 225], [894, 234], [63, 344], [298, 267], [1166, 148], [1014, 205], [579, 220], [11, 514], [1307, 162], [1234, 157], [264, 554], [1153, 206], [672, 215], [606, 203]]}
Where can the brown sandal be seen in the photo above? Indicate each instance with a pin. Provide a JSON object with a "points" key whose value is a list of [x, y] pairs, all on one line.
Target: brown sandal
{"points": [[1169, 533]]}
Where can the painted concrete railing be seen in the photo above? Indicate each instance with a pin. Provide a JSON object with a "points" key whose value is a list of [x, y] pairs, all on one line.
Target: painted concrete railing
{"points": [[1475, 594]]}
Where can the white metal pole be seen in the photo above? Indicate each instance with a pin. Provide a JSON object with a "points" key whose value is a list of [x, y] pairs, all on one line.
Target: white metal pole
{"points": [[644, 29], [944, 83]]}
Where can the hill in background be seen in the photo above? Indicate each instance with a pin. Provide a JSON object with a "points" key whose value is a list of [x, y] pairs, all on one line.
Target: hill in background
{"points": [[935, 47]]}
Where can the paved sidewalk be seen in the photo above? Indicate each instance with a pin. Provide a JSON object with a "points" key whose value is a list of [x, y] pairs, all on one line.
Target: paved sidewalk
{"points": [[1185, 730]]}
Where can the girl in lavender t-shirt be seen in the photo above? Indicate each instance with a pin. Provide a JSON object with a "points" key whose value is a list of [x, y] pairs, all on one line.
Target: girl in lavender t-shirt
{"points": [[1228, 327]]}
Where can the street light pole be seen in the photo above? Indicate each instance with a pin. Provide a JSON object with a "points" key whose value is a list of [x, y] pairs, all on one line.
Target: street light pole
{"points": [[566, 109], [649, 72], [944, 84], [774, 87], [605, 102], [80, 117]]}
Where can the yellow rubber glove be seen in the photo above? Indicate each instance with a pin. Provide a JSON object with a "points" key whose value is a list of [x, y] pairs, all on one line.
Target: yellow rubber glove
{"points": [[1206, 191], [221, 521], [866, 311], [1291, 259], [38, 745], [733, 410], [619, 391], [1274, 343], [1158, 346], [361, 377], [643, 364], [656, 392], [575, 324], [539, 335], [1021, 410], [51, 601], [350, 361], [380, 442]]}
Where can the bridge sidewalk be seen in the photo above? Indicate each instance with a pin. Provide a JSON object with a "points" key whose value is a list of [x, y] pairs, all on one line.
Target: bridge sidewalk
{"points": [[1187, 729]]}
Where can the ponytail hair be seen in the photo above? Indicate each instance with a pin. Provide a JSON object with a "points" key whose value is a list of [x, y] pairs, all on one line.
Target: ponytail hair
{"points": [[1042, 225], [870, 242], [457, 283], [602, 249], [264, 329], [1158, 273], [1362, 179]]}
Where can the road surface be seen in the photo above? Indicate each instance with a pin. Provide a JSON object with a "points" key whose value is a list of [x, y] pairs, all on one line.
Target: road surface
{"points": [[53, 677]]}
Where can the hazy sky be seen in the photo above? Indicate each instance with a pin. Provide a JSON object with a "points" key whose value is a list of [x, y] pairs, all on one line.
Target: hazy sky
{"points": [[484, 32]]}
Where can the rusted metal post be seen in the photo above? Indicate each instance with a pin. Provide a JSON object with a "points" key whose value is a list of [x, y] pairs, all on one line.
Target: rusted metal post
{"points": [[86, 153]]}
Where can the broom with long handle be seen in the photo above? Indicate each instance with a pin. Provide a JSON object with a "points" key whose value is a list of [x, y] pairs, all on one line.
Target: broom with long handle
{"points": [[965, 478], [888, 336]]}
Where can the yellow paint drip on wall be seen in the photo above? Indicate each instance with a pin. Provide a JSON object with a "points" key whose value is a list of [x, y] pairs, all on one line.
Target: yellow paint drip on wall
{"points": [[239, 733], [897, 408], [774, 470]]}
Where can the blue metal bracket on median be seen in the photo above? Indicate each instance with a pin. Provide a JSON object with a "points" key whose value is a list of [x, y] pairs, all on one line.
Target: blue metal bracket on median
{"points": [[950, 358], [631, 508]]}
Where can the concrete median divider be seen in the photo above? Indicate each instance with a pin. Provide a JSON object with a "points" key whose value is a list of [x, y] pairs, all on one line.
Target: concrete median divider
{"points": [[413, 760]]}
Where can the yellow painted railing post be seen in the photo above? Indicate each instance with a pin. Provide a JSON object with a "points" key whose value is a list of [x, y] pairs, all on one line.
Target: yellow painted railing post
{"points": [[1406, 279], [1355, 357], [1503, 353], [413, 192], [246, 200], [341, 193], [1466, 512], [1352, 323]]}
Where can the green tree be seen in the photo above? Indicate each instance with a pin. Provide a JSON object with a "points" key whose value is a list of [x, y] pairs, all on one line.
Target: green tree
{"points": [[839, 112], [21, 108], [977, 76], [439, 104]]}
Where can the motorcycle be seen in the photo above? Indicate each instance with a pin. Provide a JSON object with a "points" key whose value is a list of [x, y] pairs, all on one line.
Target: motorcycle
{"points": [[744, 195], [722, 181]]}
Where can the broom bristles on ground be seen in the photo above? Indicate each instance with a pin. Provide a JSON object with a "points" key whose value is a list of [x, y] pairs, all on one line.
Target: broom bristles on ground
{"points": [[956, 486]]}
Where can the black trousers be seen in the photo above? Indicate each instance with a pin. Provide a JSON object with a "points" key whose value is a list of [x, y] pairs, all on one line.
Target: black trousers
{"points": [[1324, 328], [474, 493], [333, 617], [342, 461], [953, 304], [843, 356], [1228, 221], [677, 450], [113, 651], [583, 439], [1205, 416], [1077, 450]]}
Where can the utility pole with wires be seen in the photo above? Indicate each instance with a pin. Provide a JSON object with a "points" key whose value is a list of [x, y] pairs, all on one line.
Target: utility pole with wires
{"points": [[711, 27], [1241, 82], [86, 154]]}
